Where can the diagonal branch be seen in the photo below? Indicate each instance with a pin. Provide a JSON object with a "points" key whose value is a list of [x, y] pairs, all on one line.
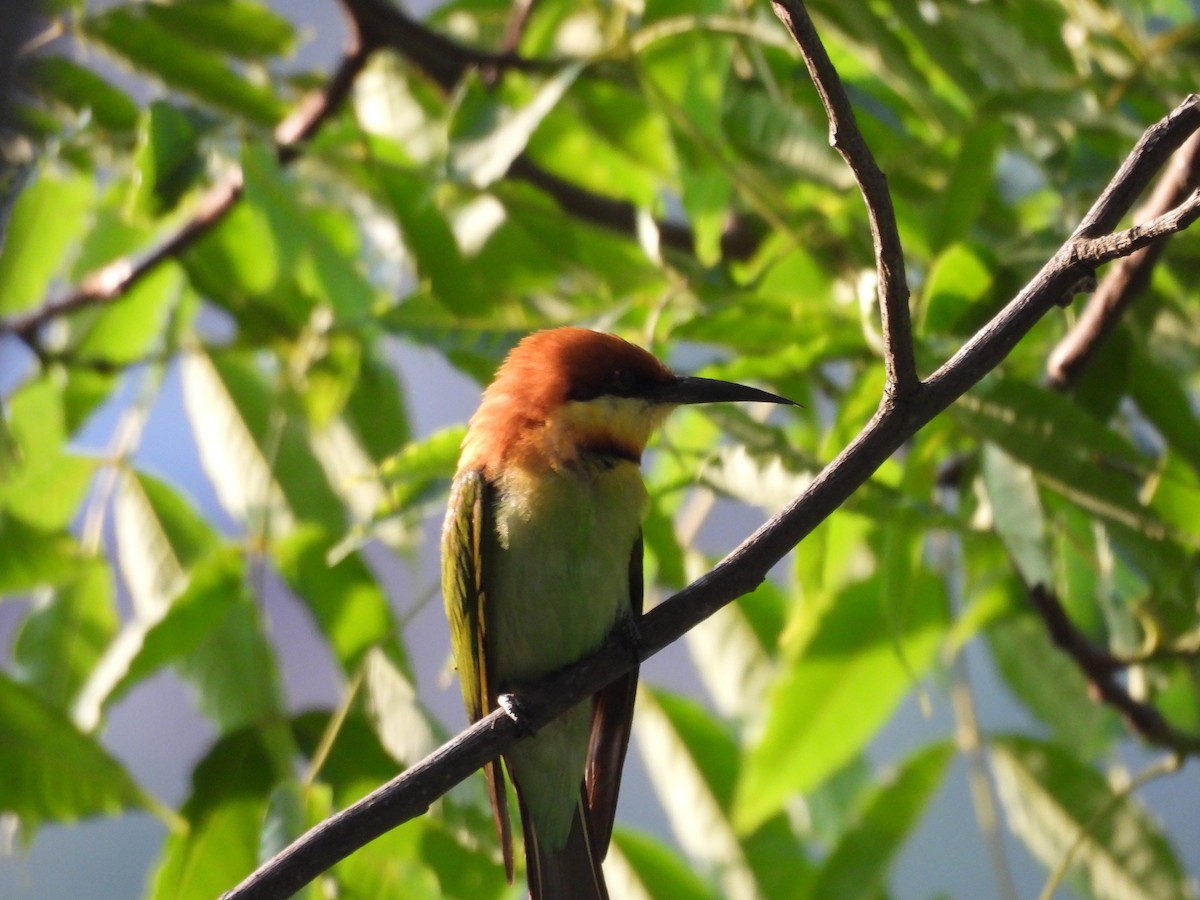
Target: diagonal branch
{"points": [[1126, 280], [844, 135], [896, 421]]}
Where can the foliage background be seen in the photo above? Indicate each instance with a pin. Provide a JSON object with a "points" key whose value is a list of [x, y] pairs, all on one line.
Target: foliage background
{"points": [[216, 491]]}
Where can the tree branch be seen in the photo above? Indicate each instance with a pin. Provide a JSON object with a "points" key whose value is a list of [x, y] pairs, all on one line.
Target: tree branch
{"points": [[1100, 669], [115, 278], [845, 137], [897, 420], [1126, 280]]}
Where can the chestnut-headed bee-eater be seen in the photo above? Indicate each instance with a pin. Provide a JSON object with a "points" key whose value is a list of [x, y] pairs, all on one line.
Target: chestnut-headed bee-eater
{"points": [[542, 559]]}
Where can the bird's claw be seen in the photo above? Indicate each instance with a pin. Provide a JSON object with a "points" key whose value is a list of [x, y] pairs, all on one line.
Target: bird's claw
{"points": [[512, 708]]}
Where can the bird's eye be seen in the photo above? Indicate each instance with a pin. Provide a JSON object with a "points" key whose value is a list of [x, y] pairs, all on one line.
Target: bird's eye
{"points": [[622, 381]]}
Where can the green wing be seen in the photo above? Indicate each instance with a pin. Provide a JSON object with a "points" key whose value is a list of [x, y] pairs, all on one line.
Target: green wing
{"points": [[468, 522]]}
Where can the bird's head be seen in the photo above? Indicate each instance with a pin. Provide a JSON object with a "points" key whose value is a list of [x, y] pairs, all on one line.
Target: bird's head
{"points": [[565, 393]]}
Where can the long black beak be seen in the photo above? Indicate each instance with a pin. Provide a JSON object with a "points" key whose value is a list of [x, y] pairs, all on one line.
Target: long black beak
{"points": [[686, 390]]}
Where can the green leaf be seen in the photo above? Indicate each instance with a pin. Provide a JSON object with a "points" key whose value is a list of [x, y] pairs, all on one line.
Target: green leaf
{"points": [[82, 89], [1051, 685], [486, 138], [644, 867], [1161, 397], [429, 238], [45, 485], [376, 409], [734, 650], [125, 331], [322, 269], [405, 728], [160, 537], [65, 634], [959, 203], [423, 467], [181, 63], [254, 449], [857, 867], [693, 765], [1017, 515], [1070, 452], [958, 282], [167, 159], [34, 557], [77, 778], [1051, 800], [231, 787], [191, 621], [846, 678], [46, 220], [238, 27], [344, 598]]}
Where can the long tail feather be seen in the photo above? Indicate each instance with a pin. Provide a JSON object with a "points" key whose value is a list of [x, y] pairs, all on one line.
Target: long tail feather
{"points": [[571, 873]]}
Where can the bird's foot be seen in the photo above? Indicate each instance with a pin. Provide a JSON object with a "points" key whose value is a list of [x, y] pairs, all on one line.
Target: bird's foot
{"points": [[512, 708]]}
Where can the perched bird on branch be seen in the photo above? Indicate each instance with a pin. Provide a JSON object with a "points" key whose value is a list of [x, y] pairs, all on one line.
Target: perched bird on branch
{"points": [[542, 560]]}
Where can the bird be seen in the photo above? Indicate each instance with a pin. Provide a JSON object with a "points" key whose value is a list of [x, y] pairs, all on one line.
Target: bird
{"points": [[542, 560]]}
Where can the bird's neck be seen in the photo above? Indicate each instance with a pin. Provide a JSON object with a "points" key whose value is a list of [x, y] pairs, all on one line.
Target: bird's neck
{"points": [[575, 436]]}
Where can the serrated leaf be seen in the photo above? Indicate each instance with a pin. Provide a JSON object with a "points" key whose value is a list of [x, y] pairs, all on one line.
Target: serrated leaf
{"points": [[78, 779], [49, 215], [857, 867], [1070, 452], [1050, 799], [847, 677]]}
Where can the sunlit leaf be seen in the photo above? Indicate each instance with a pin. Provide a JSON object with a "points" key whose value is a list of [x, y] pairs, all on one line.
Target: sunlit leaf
{"points": [[486, 139], [48, 216], [65, 634], [846, 678]]}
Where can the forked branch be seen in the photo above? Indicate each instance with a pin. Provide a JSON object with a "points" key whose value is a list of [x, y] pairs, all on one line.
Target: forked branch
{"points": [[904, 410]]}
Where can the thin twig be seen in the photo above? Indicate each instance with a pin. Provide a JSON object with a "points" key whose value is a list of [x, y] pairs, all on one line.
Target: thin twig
{"points": [[1100, 669], [745, 568], [844, 135], [1127, 279]]}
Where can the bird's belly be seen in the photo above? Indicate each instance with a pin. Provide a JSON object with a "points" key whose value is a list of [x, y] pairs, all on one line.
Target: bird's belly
{"points": [[561, 579]]}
